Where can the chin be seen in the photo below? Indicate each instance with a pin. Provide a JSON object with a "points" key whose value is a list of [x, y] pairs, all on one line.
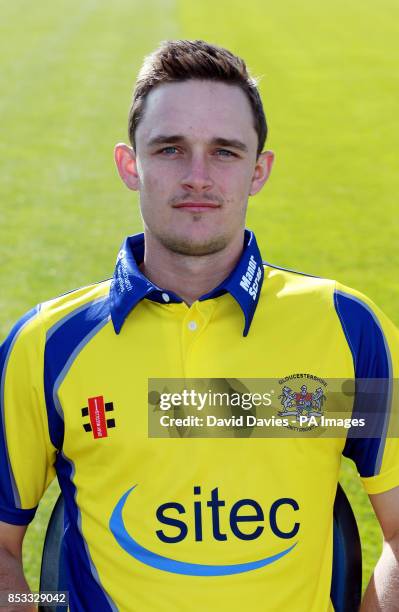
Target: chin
{"points": [[184, 245]]}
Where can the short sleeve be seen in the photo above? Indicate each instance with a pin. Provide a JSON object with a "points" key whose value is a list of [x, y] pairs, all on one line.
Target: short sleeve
{"points": [[374, 343], [26, 453]]}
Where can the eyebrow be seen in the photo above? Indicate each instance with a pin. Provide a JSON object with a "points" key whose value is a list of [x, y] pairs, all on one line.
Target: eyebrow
{"points": [[178, 138], [230, 142], [165, 139]]}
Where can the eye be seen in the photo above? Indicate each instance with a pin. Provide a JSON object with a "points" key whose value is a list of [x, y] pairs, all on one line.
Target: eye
{"points": [[169, 150], [225, 153]]}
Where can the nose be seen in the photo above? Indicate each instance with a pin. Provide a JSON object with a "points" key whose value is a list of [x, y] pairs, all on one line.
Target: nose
{"points": [[197, 176]]}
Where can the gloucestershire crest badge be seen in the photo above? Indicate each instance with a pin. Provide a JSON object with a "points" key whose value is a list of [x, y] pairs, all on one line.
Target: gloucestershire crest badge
{"points": [[306, 401]]}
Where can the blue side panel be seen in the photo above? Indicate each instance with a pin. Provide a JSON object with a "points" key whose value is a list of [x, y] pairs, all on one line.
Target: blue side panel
{"points": [[64, 341], [10, 503], [81, 577], [339, 569], [371, 360]]}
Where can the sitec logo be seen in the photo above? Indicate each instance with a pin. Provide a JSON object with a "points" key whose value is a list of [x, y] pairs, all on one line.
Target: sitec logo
{"points": [[173, 528]]}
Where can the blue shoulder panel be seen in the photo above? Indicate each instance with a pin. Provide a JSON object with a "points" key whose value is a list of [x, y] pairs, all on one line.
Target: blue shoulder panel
{"points": [[10, 503], [64, 342], [372, 360]]}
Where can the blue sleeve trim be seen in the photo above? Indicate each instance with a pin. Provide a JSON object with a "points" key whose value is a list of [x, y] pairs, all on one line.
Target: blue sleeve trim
{"points": [[372, 360], [64, 341], [9, 495], [17, 516]]}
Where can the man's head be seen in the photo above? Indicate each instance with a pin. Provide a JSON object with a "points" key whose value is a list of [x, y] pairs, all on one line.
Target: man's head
{"points": [[197, 130], [180, 60]]}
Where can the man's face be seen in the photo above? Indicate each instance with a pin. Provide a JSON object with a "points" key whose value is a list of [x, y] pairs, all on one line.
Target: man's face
{"points": [[195, 165]]}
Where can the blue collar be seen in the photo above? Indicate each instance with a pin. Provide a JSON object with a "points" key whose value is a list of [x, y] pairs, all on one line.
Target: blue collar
{"points": [[129, 286]]}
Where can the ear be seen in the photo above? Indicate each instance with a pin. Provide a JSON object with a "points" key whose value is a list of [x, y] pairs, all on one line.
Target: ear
{"points": [[263, 167], [125, 159]]}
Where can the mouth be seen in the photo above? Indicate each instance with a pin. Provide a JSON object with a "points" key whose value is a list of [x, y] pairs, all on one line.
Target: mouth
{"points": [[197, 206]]}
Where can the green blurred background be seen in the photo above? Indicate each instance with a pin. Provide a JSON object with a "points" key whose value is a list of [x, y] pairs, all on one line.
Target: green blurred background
{"points": [[329, 81]]}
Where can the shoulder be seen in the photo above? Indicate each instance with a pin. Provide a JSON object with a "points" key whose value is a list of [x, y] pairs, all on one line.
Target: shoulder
{"points": [[93, 300], [372, 338], [354, 310], [34, 326], [288, 283], [294, 282]]}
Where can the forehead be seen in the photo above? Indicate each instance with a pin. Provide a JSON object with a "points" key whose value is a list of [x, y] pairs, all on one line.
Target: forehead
{"points": [[198, 110]]}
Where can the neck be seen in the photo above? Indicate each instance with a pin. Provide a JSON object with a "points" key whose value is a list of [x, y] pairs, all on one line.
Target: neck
{"points": [[188, 276]]}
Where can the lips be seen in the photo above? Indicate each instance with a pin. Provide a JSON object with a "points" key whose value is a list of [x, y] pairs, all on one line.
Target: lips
{"points": [[197, 206]]}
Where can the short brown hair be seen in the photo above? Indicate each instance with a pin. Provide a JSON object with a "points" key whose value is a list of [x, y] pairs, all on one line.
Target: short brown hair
{"points": [[181, 60]]}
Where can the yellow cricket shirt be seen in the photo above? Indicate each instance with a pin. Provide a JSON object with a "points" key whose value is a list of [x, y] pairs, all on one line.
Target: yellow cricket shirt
{"points": [[190, 524]]}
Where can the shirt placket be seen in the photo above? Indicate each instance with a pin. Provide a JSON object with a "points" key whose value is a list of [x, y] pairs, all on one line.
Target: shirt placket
{"points": [[193, 327]]}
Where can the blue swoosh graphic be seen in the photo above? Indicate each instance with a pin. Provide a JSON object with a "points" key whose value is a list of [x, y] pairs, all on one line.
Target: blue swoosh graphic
{"points": [[165, 564]]}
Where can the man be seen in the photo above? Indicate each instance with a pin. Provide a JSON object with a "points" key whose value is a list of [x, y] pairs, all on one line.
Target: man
{"points": [[203, 523]]}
